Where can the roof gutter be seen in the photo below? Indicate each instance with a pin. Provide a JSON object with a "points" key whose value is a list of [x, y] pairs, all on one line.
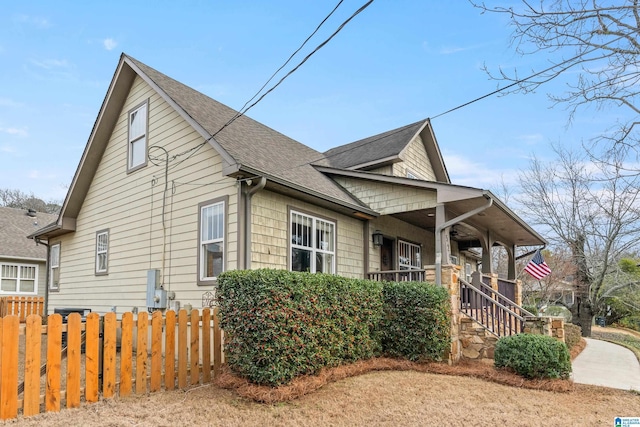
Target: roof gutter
{"points": [[440, 228]]}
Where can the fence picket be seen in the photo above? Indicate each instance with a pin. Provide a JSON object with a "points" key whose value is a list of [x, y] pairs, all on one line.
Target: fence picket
{"points": [[9, 382], [141, 353], [126, 353], [182, 349], [31, 400], [92, 359], [74, 323], [109, 356], [54, 352], [170, 351], [156, 351], [194, 355], [206, 345]]}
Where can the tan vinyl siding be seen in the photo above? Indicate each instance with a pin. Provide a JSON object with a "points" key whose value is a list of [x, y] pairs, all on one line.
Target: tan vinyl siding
{"points": [[384, 170], [397, 229], [131, 206], [415, 160], [270, 239], [388, 198]]}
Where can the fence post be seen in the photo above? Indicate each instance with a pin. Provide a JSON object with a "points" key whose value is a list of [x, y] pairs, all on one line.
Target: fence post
{"points": [[10, 340], [170, 351], [195, 344], [206, 345], [126, 353], [217, 343], [141, 353], [92, 358]]}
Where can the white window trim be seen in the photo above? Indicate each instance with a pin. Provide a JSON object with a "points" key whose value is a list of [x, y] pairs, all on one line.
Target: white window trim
{"points": [[201, 253], [99, 252], [131, 140], [467, 271], [313, 248], [19, 278], [408, 263], [52, 266]]}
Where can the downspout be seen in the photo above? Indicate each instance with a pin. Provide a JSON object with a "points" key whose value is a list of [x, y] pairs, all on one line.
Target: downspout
{"points": [[45, 311], [248, 194], [447, 224]]}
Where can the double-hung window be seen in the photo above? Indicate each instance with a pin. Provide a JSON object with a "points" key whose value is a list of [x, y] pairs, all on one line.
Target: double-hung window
{"points": [[409, 257], [212, 231], [18, 278], [137, 142], [313, 243], [54, 267], [102, 252]]}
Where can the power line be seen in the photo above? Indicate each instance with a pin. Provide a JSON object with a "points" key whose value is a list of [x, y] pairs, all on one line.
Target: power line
{"points": [[517, 82], [193, 150]]}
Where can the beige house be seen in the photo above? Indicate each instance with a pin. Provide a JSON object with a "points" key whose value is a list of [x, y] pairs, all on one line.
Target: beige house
{"points": [[23, 270], [170, 192]]}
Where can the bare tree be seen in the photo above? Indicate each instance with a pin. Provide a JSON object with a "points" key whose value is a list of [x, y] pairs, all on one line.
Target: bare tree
{"points": [[591, 209], [598, 42], [17, 199]]}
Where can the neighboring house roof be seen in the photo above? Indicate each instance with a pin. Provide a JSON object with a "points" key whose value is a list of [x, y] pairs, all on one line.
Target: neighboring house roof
{"points": [[15, 226], [387, 147]]}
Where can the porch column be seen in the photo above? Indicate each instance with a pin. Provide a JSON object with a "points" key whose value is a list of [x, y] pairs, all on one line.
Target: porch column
{"points": [[443, 253], [487, 244], [511, 253]]}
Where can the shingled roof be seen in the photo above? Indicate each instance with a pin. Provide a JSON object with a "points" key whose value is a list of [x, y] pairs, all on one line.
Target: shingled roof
{"points": [[251, 144], [15, 226], [386, 145]]}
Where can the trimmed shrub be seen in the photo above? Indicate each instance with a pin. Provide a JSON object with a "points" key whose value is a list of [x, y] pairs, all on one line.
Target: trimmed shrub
{"points": [[572, 334], [416, 321], [533, 356], [630, 322], [280, 324], [531, 309]]}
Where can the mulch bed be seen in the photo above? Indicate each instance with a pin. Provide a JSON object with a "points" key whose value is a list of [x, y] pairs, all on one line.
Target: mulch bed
{"points": [[308, 383]]}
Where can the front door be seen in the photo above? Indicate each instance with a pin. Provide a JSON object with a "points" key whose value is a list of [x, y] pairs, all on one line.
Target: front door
{"points": [[386, 255]]}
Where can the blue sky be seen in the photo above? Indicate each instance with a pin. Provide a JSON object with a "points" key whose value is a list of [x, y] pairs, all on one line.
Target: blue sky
{"points": [[397, 62]]}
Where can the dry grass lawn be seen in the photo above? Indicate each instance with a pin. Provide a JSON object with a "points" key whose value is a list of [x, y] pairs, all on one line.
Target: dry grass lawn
{"points": [[385, 398]]}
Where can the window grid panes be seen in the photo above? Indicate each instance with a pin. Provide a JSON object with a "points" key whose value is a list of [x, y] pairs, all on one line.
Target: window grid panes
{"points": [[18, 278], [312, 244], [409, 257], [102, 251], [137, 136], [211, 241]]}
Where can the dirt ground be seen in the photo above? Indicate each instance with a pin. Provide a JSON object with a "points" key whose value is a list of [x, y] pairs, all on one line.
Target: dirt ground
{"points": [[388, 398]]}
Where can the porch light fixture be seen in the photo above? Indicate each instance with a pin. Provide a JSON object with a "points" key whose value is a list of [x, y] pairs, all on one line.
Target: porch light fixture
{"points": [[377, 238]]}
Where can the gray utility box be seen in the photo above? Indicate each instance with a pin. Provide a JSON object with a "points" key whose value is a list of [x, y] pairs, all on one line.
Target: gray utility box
{"points": [[156, 296]]}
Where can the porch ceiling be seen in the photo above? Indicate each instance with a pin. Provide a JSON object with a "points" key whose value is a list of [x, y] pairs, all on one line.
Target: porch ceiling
{"points": [[499, 220]]}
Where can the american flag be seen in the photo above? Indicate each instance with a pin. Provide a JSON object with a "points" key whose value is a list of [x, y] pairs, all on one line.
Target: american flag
{"points": [[537, 267]]}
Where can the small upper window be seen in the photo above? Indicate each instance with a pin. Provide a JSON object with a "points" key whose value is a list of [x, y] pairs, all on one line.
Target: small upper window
{"points": [[54, 268], [102, 252], [137, 148], [412, 175]]}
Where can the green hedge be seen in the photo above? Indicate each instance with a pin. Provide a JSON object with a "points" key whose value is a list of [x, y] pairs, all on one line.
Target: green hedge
{"points": [[533, 356], [572, 335], [416, 323], [279, 324]]}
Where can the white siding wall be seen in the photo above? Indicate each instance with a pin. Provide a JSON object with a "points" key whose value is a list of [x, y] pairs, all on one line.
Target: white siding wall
{"points": [[270, 240], [131, 206]]}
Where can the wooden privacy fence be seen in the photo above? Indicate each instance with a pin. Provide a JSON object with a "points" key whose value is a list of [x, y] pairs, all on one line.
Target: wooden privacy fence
{"points": [[21, 306], [104, 356]]}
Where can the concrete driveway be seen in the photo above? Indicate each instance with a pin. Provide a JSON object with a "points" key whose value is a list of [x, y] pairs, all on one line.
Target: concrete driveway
{"points": [[605, 364]]}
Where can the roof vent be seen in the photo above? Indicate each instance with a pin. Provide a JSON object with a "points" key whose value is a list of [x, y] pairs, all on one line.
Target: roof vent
{"points": [[31, 212]]}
